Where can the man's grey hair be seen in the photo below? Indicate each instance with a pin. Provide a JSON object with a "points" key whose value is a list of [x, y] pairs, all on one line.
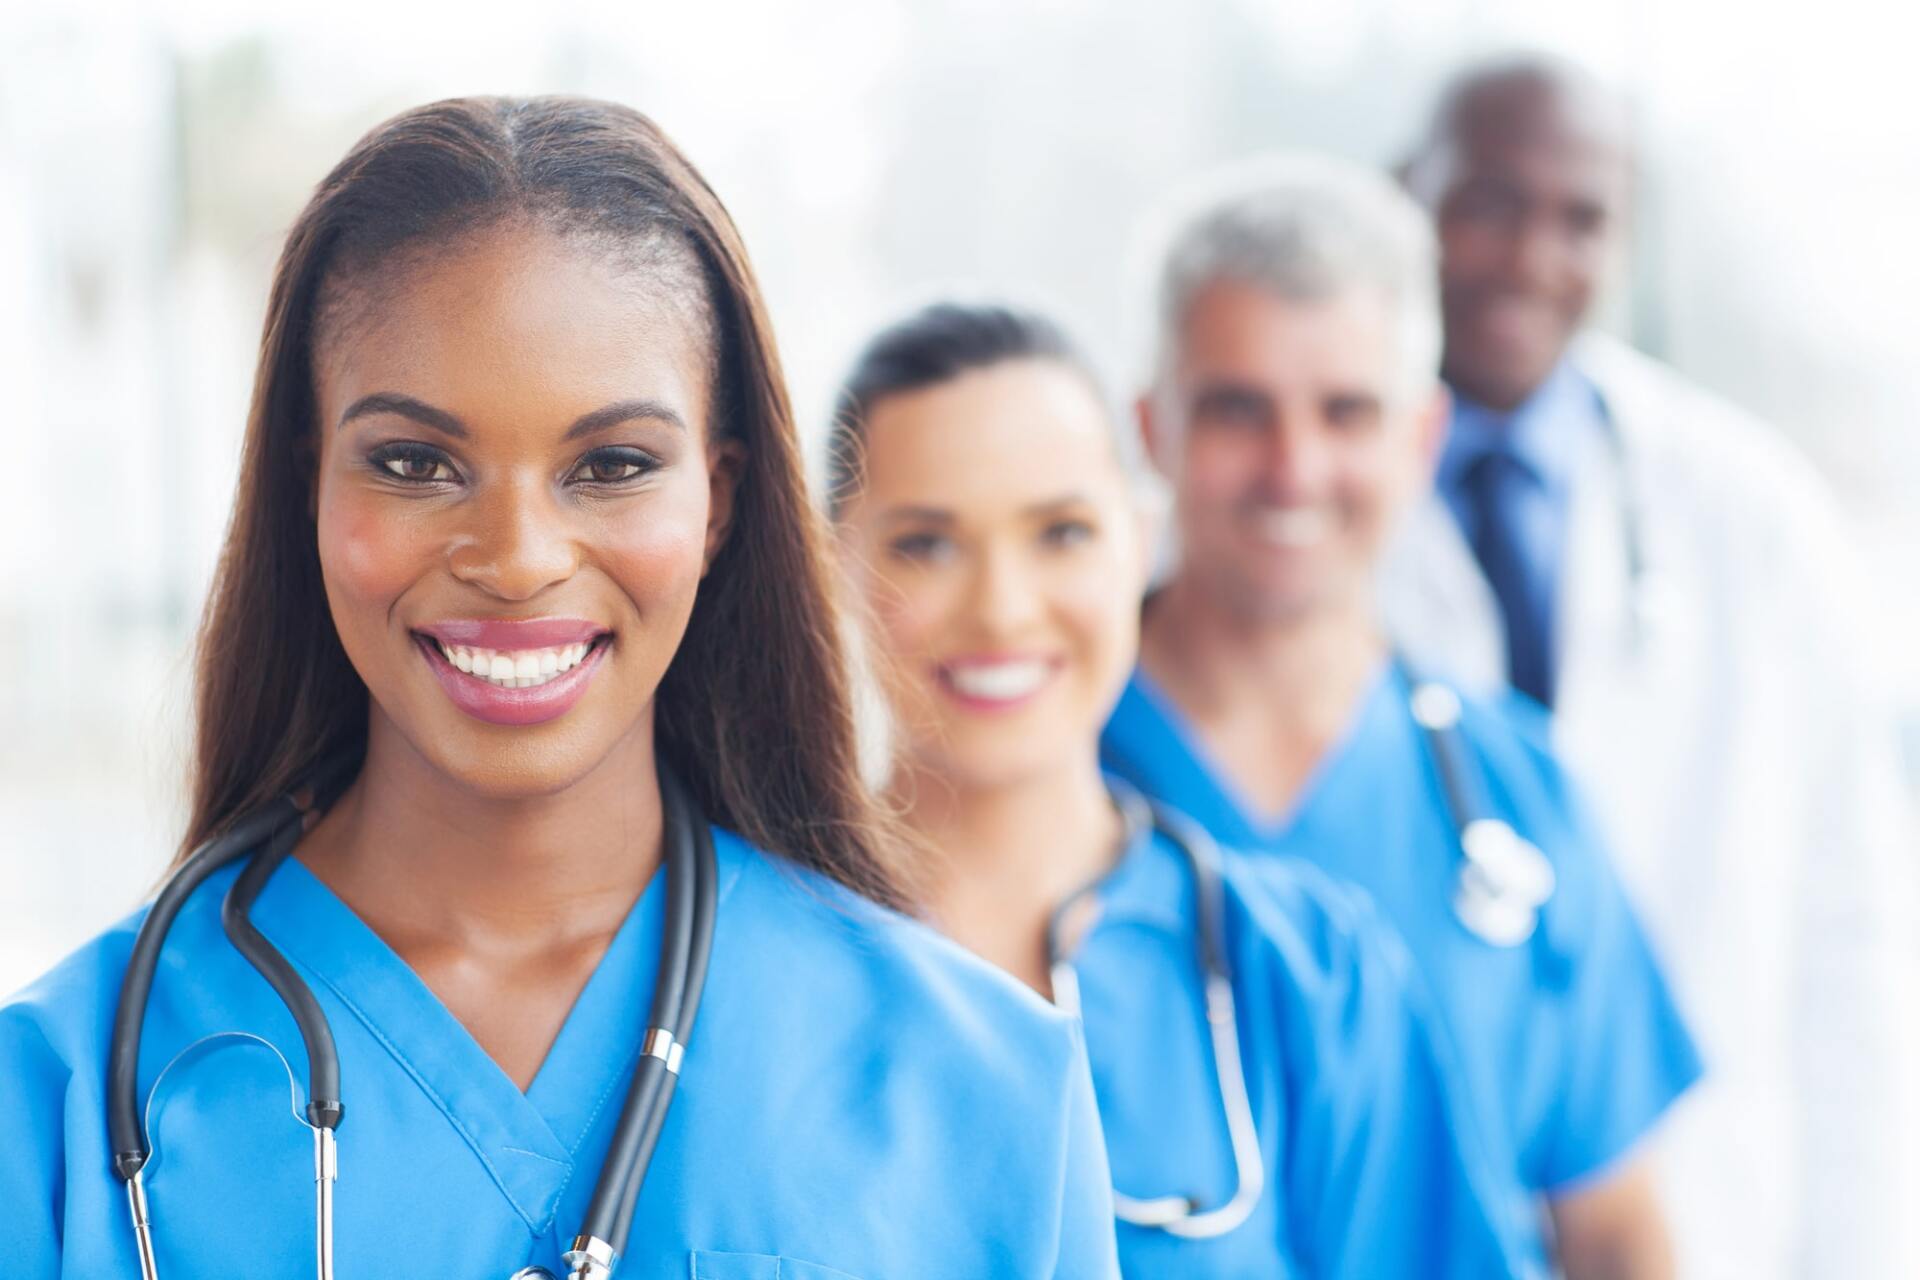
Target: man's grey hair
{"points": [[1307, 228]]}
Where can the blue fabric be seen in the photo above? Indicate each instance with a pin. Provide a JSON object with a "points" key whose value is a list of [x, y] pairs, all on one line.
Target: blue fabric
{"points": [[1375, 1168], [1508, 479], [1571, 1045], [861, 1099]]}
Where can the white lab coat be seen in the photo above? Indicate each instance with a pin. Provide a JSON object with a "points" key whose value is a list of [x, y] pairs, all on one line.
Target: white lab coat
{"points": [[1738, 745]]}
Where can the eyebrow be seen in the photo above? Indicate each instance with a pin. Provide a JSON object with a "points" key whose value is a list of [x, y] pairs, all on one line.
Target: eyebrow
{"points": [[445, 423], [406, 407], [1051, 505], [919, 515], [916, 514]]}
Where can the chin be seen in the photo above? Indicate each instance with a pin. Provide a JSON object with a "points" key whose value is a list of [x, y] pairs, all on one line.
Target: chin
{"points": [[1005, 760], [508, 764]]}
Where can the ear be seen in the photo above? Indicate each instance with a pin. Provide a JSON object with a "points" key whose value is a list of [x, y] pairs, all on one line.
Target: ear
{"points": [[1150, 522], [1156, 434], [1430, 424], [726, 464]]}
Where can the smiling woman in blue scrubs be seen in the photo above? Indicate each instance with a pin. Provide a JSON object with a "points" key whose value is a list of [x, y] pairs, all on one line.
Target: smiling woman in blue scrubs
{"points": [[992, 534], [520, 523], [1296, 414]]}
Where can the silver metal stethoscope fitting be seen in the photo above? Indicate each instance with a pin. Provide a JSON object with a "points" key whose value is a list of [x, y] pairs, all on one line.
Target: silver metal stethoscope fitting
{"points": [[142, 1226], [591, 1258], [326, 1171]]}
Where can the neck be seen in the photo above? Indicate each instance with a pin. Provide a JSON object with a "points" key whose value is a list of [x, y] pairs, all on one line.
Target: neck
{"points": [[423, 857], [1007, 853], [1301, 675]]}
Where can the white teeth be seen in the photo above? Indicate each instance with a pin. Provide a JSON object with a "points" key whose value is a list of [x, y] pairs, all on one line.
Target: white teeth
{"points": [[999, 681], [1293, 526], [518, 669]]}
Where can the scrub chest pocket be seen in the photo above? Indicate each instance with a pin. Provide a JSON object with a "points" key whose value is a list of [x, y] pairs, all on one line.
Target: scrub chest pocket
{"points": [[759, 1266]]}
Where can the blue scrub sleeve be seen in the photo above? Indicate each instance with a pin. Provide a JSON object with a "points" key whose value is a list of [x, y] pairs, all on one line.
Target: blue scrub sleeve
{"points": [[1629, 1054], [1088, 1249], [1402, 1176], [33, 1092]]}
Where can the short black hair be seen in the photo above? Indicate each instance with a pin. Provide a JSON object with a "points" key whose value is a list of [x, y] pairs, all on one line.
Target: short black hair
{"points": [[935, 344]]}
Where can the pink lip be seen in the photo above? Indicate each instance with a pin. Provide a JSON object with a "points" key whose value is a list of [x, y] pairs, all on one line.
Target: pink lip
{"points": [[534, 633], [486, 701]]}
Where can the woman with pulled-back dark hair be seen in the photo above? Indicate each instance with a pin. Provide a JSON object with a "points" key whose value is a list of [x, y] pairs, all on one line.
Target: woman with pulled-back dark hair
{"points": [[1277, 1094], [522, 739]]}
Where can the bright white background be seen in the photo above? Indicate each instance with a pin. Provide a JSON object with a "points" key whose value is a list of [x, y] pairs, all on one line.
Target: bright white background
{"points": [[873, 151]]}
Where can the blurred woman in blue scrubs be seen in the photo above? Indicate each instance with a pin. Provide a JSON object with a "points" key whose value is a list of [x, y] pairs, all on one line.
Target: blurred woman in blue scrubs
{"points": [[1296, 413], [988, 522], [521, 520]]}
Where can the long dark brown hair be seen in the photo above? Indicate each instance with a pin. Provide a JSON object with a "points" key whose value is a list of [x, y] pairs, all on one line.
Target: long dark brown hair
{"points": [[754, 711]]}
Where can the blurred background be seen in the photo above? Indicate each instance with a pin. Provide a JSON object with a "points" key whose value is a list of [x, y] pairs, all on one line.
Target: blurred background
{"points": [[873, 151]]}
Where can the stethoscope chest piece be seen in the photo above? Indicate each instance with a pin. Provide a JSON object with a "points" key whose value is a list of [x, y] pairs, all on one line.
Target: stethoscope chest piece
{"points": [[1503, 883], [1504, 879]]}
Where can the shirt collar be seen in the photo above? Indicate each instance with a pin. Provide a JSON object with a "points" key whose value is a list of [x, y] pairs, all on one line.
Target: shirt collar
{"points": [[1544, 432]]}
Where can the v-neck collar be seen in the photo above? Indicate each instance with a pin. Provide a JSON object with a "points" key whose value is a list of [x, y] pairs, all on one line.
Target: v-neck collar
{"points": [[527, 1141], [1182, 742]]}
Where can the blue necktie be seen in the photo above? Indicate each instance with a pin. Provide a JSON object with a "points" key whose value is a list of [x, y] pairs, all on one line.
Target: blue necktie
{"points": [[1497, 486]]}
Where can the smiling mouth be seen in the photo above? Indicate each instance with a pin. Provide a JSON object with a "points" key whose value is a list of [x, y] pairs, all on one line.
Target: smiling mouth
{"points": [[516, 668], [515, 686], [1291, 528], [996, 684]]}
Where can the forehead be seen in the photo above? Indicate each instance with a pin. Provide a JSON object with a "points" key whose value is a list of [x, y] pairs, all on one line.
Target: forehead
{"points": [[1241, 330], [1544, 139], [991, 440], [515, 324]]}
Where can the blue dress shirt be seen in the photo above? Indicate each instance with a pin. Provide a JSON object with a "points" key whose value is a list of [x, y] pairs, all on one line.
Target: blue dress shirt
{"points": [[1508, 478]]}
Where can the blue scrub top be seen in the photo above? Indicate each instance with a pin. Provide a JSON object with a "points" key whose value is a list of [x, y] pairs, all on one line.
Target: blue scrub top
{"points": [[860, 1099], [1376, 1169], [1571, 1043]]}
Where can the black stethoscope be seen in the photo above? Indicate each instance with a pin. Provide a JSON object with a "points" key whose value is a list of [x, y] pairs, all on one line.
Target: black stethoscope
{"points": [[1180, 1215], [686, 944], [1504, 880]]}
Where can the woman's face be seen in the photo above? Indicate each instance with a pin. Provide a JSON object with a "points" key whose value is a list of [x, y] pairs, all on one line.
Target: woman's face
{"points": [[516, 499], [1001, 562]]}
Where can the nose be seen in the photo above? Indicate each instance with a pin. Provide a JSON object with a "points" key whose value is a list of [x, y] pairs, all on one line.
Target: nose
{"points": [[1539, 254], [1004, 596], [1298, 459], [516, 541]]}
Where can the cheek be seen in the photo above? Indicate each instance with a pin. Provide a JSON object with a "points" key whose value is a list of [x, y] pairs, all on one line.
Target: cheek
{"points": [[654, 552], [1097, 607], [1218, 465], [369, 554], [1468, 251], [915, 612], [1374, 477]]}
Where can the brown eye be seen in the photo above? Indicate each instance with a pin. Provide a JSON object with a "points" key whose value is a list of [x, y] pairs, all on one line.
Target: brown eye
{"points": [[413, 464], [613, 466], [606, 471], [415, 468]]}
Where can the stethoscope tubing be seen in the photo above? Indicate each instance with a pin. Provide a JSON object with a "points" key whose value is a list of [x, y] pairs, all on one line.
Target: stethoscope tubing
{"points": [[270, 835], [1178, 1215]]}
